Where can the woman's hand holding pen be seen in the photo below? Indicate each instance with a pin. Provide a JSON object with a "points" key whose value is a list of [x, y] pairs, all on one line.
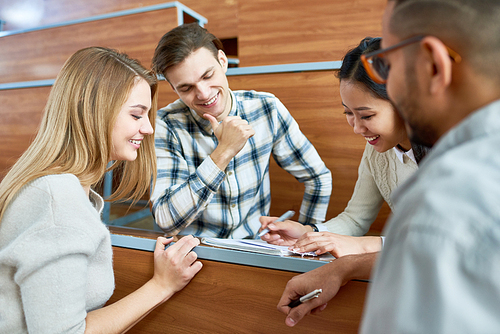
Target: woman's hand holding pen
{"points": [[284, 233], [175, 266]]}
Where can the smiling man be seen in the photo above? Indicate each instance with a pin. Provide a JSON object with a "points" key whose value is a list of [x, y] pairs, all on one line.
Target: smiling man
{"points": [[213, 146], [440, 267]]}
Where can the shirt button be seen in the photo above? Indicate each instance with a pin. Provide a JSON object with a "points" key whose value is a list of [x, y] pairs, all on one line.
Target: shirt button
{"points": [[233, 205], [230, 173]]}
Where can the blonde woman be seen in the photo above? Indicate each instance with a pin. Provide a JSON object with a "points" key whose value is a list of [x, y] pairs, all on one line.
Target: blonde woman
{"points": [[55, 253]]}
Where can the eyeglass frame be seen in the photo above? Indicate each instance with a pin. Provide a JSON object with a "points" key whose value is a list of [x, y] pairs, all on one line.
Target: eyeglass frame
{"points": [[375, 76]]}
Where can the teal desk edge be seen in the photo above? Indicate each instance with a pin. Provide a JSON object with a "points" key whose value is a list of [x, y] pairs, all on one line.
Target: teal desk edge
{"points": [[226, 255]]}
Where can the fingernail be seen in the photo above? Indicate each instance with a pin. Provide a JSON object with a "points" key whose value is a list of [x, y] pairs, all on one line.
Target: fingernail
{"points": [[290, 322]]}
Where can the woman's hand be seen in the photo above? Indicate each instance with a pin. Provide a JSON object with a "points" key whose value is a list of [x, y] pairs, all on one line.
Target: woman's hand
{"points": [[284, 233], [337, 244], [175, 266]]}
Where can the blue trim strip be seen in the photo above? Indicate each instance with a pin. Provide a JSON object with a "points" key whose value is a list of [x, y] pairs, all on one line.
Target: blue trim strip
{"points": [[201, 20], [107, 189], [166, 5], [27, 84], [268, 69], [226, 255], [297, 67]]}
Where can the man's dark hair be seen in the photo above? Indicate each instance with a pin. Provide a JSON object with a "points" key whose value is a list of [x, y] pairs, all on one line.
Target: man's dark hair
{"points": [[177, 44], [469, 27]]}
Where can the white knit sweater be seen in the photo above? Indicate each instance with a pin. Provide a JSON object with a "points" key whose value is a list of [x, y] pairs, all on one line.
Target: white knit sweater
{"points": [[55, 258], [379, 174]]}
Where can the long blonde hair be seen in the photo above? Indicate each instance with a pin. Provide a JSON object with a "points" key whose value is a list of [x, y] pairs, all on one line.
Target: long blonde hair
{"points": [[75, 132]]}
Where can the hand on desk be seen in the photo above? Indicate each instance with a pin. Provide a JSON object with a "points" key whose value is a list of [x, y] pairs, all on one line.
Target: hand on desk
{"points": [[175, 266], [329, 277], [301, 238], [337, 244]]}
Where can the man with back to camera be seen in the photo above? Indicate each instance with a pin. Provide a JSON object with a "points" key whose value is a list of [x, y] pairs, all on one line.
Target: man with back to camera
{"points": [[213, 146], [439, 269]]}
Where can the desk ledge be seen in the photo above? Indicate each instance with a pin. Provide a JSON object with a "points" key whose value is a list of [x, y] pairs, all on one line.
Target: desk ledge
{"points": [[146, 240]]}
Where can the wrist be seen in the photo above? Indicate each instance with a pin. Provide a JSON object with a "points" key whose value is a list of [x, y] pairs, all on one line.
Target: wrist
{"points": [[355, 266], [371, 244], [311, 228], [159, 291], [221, 158]]}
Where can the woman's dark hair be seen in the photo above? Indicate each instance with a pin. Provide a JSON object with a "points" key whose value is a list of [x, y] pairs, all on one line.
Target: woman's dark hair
{"points": [[352, 69]]}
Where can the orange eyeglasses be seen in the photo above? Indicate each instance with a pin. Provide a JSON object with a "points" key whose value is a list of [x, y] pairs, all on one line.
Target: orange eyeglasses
{"points": [[377, 66]]}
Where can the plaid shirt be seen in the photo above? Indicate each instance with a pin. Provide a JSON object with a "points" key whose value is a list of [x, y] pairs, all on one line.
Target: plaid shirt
{"points": [[194, 196]]}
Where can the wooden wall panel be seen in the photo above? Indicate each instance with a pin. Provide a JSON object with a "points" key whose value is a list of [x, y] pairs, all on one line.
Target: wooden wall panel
{"points": [[222, 16], [230, 298], [40, 54], [21, 111], [295, 31]]}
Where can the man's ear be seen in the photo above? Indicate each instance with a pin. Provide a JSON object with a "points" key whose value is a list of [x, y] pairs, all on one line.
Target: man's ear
{"points": [[441, 64], [221, 57]]}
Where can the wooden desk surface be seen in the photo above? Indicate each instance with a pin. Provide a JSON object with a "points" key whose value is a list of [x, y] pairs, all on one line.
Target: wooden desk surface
{"points": [[231, 298]]}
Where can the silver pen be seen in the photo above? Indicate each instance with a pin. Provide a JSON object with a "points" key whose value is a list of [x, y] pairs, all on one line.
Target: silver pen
{"points": [[285, 216], [303, 299]]}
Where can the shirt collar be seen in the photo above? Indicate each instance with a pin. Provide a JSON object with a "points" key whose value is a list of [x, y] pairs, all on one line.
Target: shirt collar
{"points": [[96, 200], [400, 154], [482, 122]]}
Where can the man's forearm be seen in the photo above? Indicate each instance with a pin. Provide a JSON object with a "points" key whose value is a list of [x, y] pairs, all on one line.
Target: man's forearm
{"points": [[356, 266]]}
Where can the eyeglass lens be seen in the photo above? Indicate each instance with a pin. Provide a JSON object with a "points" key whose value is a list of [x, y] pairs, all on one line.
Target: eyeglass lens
{"points": [[381, 67]]}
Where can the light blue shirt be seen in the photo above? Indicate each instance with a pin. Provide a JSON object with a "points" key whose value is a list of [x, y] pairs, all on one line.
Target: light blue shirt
{"points": [[439, 271]]}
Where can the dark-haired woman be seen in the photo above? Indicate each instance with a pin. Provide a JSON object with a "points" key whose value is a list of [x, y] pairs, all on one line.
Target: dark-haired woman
{"points": [[388, 160]]}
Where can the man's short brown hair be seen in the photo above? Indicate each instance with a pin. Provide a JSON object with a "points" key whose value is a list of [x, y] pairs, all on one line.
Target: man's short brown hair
{"points": [[177, 44]]}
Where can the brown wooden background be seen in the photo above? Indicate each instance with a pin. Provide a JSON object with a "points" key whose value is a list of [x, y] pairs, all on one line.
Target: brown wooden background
{"points": [[231, 298], [268, 32]]}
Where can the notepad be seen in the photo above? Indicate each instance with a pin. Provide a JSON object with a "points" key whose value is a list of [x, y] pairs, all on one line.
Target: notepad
{"points": [[255, 246]]}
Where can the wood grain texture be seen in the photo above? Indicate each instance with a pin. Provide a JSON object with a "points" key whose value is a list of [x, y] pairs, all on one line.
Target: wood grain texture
{"points": [[230, 298], [21, 111], [295, 31], [40, 54], [222, 16]]}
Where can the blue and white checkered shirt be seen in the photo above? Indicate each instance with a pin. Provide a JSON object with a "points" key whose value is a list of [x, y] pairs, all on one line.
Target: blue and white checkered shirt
{"points": [[194, 196]]}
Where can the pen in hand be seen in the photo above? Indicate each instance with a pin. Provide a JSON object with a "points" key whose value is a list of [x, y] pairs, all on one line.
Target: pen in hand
{"points": [[309, 296], [283, 217]]}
